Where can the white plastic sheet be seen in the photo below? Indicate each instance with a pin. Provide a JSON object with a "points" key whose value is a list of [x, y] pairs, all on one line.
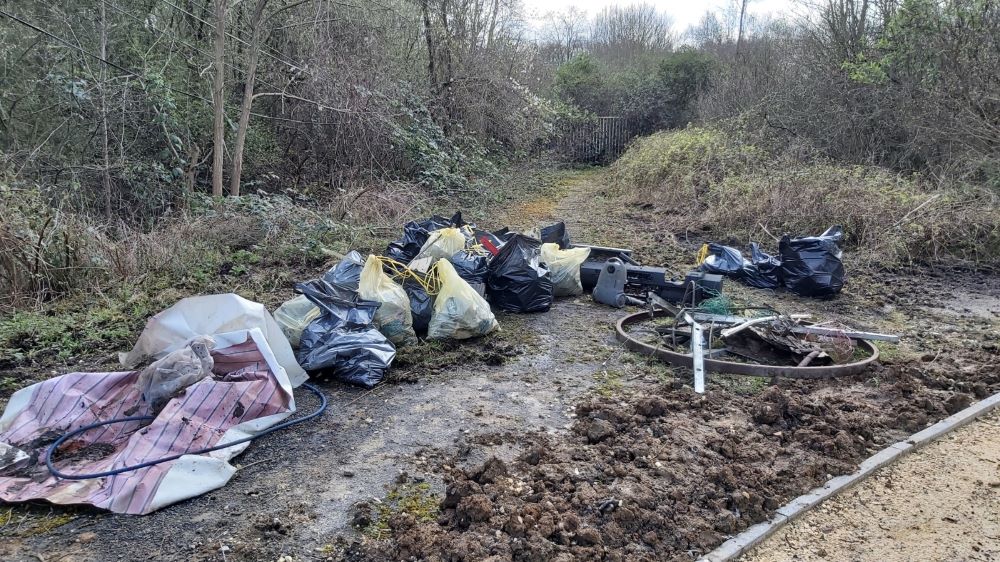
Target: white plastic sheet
{"points": [[208, 315]]}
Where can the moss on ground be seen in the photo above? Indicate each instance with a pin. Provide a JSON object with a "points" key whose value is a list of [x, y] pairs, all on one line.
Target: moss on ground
{"points": [[608, 382], [414, 499], [32, 520]]}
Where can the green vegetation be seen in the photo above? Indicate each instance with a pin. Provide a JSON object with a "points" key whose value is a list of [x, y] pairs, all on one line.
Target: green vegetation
{"points": [[651, 91], [608, 382], [414, 499], [741, 385], [33, 520]]}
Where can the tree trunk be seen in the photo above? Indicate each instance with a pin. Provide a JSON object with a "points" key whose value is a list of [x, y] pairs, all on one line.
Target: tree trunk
{"points": [[739, 35], [251, 76], [446, 55], [218, 101], [428, 34], [106, 179]]}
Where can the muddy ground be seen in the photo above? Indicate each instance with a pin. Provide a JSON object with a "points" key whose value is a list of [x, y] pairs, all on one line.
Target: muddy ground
{"points": [[548, 441]]}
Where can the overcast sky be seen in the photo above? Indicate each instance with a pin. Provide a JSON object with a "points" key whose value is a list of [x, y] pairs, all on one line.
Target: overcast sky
{"points": [[684, 12]]}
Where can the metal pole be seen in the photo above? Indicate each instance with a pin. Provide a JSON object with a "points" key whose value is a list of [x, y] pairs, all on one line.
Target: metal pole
{"points": [[697, 354]]}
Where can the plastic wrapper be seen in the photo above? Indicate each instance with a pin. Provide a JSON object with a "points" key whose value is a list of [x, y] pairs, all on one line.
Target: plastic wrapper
{"points": [[249, 393], [343, 341], [174, 327], [459, 311], [442, 244], [347, 273], [164, 378], [564, 268], [556, 234], [393, 316], [421, 306], [293, 316], [517, 280], [811, 266]]}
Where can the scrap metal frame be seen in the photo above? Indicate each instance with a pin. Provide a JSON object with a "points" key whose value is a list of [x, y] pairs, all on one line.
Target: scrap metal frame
{"points": [[733, 368]]}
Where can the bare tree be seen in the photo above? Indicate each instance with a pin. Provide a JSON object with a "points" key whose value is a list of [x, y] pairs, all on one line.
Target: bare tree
{"points": [[106, 172], [566, 31], [743, 15], [218, 98], [623, 32], [257, 24]]}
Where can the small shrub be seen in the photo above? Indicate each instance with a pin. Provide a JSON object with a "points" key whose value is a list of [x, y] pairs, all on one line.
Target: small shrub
{"points": [[700, 179]]}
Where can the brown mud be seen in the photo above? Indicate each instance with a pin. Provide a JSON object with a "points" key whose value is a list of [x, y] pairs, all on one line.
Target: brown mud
{"points": [[548, 441]]}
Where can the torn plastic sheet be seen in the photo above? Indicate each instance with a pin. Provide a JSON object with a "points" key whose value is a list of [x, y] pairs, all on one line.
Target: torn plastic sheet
{"points": [[206, 315], [249, 392]]}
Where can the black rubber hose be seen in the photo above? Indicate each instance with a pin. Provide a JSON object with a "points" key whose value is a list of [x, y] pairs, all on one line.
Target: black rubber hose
{"points": [[53, 447]]}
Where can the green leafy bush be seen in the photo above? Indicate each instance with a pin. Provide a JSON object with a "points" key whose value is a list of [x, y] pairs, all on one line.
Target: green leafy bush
{"points": [[440, 162]]}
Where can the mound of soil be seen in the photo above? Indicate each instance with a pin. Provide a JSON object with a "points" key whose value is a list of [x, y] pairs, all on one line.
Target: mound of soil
{"points": [[662, 473]]}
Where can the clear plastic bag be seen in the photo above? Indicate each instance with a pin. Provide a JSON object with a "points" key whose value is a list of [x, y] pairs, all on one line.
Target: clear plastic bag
{"points": [[293, 316], [459, 311], [564, 268], [393, 317], [442, 244], [164, 378]]}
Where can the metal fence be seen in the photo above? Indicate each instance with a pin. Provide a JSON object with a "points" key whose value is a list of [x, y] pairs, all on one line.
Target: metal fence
{"points": [[599, 141]]}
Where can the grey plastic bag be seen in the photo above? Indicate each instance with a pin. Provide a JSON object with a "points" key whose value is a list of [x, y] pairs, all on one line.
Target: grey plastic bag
{"points": [[347, 273], [343, 341]]}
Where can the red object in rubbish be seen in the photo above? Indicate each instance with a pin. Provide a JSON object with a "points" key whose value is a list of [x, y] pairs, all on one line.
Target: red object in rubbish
{"points": [[489, 245]]}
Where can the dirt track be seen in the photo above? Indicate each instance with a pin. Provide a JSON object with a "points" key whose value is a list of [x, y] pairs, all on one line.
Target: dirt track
{"points": [[940, 503], [572, 420]]}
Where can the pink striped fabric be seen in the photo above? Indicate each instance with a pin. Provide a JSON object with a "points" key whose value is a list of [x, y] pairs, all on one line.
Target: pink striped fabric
{"points": [[242, 389]]}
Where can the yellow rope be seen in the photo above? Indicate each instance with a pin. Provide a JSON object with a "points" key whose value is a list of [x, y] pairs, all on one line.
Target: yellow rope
{"points": [[399, 273], [702, 254]]}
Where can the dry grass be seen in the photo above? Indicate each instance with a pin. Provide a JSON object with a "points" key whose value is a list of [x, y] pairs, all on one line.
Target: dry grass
{"points": [[50, 252], [699, 179]]}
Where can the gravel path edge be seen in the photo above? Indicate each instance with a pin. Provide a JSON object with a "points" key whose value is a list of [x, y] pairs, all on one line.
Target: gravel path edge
{"points": [[734, 547]]}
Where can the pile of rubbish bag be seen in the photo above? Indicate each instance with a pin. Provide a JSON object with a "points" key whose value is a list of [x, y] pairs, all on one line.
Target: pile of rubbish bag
{"points": [[438, 281], [809, 266]]}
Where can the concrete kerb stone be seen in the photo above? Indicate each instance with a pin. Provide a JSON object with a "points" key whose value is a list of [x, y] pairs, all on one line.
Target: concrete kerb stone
{"points": [[748, 538], [954, 421], [753, 535]]}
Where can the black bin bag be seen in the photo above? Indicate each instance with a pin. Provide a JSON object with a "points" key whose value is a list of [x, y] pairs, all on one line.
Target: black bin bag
{"points": [[347, 273], [421, 306], [415, 234], [471, 266], [811, 266], [517, 280], [556, 234], [343, 341], [762, 270]]}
